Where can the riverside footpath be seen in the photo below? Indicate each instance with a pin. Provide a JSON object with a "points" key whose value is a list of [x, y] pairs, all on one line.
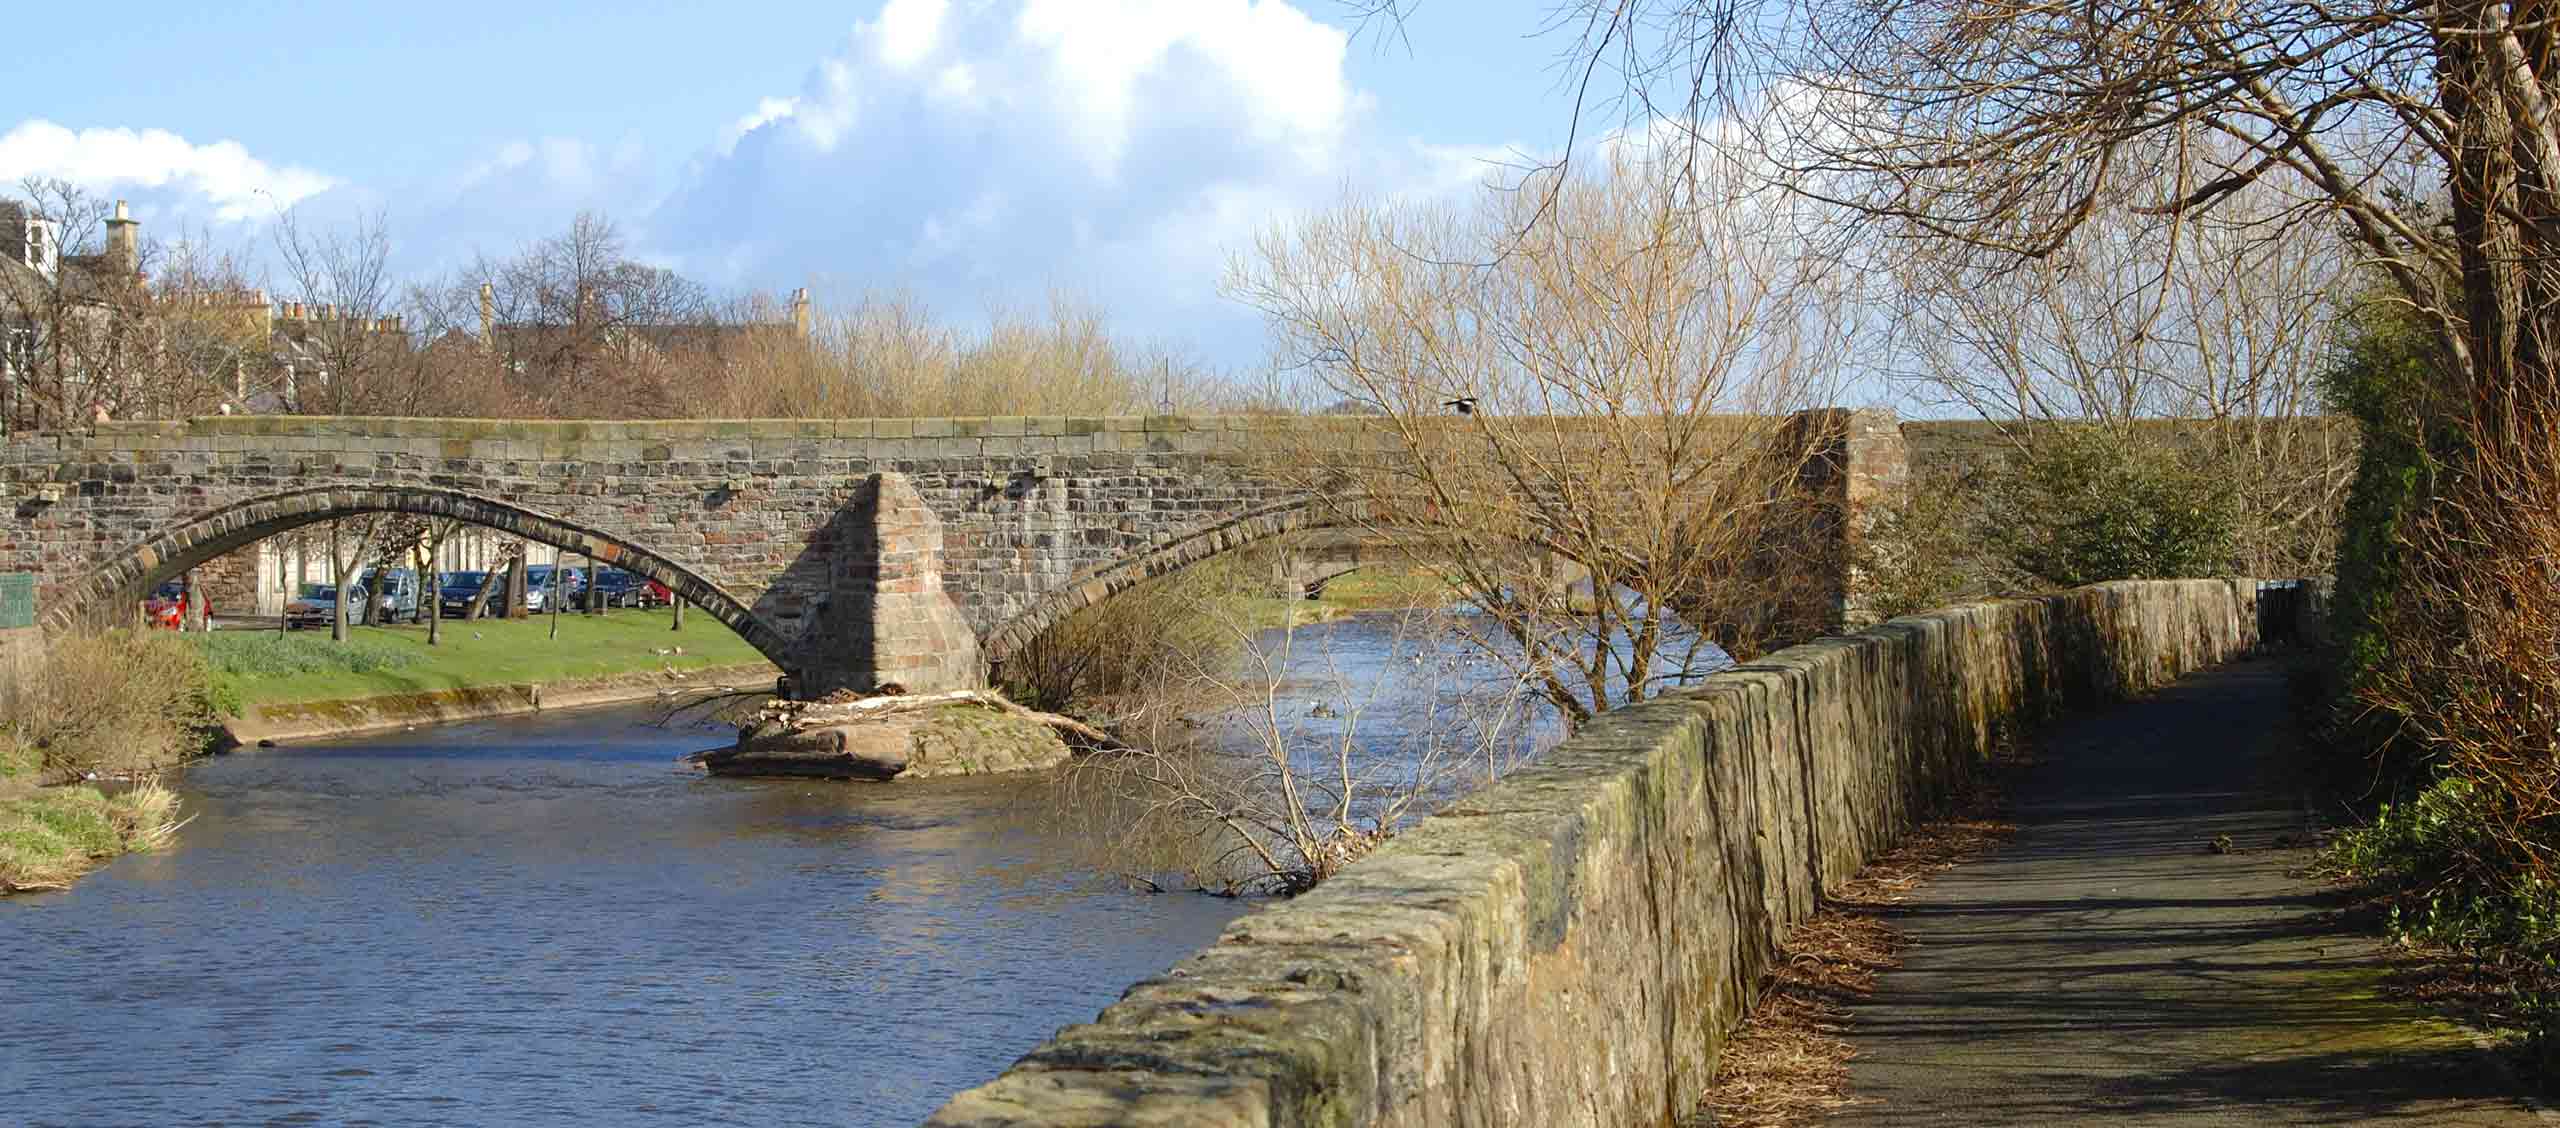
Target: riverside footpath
{"points": [[2148, 950]]}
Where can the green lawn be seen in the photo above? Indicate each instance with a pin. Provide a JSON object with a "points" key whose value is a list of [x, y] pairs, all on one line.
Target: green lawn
{"points": [[284, 666], [1385, 587]]}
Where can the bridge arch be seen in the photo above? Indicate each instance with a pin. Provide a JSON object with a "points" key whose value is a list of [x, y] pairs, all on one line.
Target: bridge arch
{"points": [[134, 569], [1095, 585]]}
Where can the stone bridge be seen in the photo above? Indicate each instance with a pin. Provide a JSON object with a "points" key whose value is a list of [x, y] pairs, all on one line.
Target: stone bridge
{"points": [[850, 552]]}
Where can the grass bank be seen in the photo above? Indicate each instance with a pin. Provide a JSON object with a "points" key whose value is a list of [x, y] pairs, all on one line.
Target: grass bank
{"points": [[117, 705], [50, 836], [1387, 589], [278, 667], [1369, 589]]}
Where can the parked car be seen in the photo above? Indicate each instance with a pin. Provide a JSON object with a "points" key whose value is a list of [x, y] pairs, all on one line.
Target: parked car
{"points": [[394, 595], [539, 584], [620, 588], [166, 606], [456, 590], [315, 607]]}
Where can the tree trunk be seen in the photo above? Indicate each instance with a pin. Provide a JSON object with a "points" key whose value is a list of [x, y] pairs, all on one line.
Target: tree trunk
{"points": [[515, 586], [490, 581], [556, 593], [338, 580], [430, 594], [595, 595], [676, 602]]}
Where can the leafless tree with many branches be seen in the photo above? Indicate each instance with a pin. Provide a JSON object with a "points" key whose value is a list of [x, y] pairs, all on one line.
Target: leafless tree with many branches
{"points": [[1599, 397]]}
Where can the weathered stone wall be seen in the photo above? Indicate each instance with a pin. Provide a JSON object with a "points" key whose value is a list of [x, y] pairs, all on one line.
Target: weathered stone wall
{"points": [[1570, 945], [754, 514], [230, 582]]}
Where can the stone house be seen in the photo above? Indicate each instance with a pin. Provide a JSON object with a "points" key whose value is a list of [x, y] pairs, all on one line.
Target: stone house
{"points": [[62, 316]]}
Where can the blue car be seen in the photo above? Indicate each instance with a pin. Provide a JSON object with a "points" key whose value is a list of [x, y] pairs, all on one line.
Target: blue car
{"points": [[456, 590], [623, 589]]}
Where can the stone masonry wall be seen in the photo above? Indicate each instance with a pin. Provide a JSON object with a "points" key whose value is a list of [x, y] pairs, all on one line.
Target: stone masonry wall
{"points": [[764, 523], [1570, 945], [751, 513]]}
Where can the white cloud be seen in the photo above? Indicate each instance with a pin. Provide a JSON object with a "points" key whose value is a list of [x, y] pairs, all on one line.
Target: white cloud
{"points": [[907, 30], [221, 175], [767, 110], [984, 152]]}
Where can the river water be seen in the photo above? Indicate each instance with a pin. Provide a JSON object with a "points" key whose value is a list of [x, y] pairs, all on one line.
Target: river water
{"points": [[548, 920], [545, 921]]}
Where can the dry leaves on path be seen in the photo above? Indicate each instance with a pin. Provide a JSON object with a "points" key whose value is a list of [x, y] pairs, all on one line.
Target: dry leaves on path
{"points": [[1788, 1063]]}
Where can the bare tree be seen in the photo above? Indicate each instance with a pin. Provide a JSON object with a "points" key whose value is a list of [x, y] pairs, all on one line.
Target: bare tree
{"points": [[430, 546], [204, 332], [1600, 396], [2225, 331], [1236, 783], [2001, 131], [349, 355], [582, 328]]}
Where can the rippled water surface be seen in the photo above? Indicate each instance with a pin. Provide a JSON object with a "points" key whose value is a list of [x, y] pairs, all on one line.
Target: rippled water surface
{"points": [[545, 921]]}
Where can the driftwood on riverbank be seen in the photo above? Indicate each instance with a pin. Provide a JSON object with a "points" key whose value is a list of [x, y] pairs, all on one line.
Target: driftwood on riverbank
{"points": [[901, 736]]}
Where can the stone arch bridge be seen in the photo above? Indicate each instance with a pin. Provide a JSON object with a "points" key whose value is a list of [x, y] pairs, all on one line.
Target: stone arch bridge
{"points": [[850, 552]]}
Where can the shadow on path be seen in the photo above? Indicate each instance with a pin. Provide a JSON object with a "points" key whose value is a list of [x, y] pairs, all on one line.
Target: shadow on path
{"points": [[2108, 966]]}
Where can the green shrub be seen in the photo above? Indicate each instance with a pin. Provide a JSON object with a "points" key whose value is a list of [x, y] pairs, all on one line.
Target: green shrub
{"points": [[2437, 864], [2381, 377], [2070, 504], [2087, 504], [1925, 549]]}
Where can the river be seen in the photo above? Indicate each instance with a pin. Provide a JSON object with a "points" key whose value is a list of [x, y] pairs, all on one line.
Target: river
{"points": [[548, 920]]}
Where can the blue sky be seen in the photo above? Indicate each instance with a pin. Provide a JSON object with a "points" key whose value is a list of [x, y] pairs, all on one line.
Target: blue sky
{"points": [[974, 152]]}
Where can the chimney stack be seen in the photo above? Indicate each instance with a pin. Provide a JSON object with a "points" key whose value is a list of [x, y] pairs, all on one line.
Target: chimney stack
{"points": [[800, 311], [124, 246], [488, 314]]}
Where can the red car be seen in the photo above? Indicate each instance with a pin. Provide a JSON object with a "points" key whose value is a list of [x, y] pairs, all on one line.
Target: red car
{"points": [[166, 607]]}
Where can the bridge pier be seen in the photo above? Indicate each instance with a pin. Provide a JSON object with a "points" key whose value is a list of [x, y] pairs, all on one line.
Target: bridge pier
{"points": [[887, 618]]}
